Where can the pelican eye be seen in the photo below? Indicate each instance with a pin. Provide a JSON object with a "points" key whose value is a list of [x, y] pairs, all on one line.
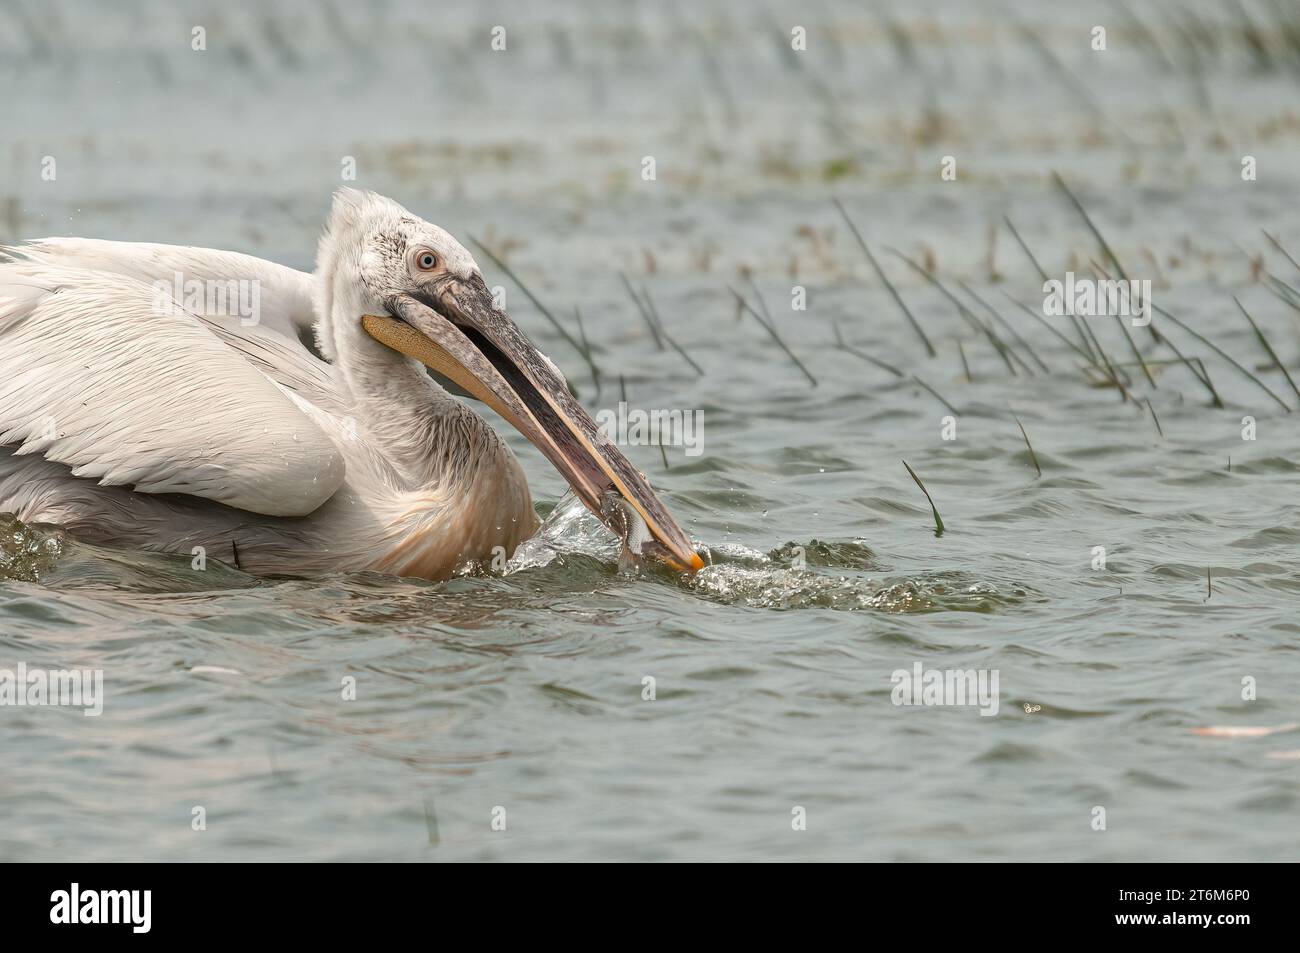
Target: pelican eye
{"points": [[426, 261]]}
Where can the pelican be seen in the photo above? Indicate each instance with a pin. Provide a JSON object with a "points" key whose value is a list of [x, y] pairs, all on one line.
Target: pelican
{"points": [[135, 414]]}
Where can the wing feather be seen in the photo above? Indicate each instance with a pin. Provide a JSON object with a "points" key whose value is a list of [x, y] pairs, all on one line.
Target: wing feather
{"points": [[283, 295], [98, 373]]}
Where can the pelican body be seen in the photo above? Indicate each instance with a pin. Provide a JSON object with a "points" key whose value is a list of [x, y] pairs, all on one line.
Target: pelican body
{"points": [[137, 415]]}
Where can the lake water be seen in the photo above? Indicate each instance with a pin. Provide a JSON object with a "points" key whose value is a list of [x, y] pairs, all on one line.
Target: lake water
{"points": [[521, 697]]}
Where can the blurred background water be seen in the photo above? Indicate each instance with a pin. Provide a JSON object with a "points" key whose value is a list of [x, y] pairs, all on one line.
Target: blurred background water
{"points": [[523, 691]]}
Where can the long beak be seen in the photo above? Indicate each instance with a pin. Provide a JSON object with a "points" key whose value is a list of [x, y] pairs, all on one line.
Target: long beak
{"points": [[460, 334]]}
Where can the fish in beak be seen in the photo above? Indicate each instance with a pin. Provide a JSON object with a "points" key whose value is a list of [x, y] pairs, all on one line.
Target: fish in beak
{"points": [[455, 329]]}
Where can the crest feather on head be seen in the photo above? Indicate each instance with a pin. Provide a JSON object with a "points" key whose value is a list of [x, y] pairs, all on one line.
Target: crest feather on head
{"points": [[353, 211]]}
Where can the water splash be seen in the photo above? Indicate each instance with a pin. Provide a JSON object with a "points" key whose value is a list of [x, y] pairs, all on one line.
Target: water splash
{"points": [[815, 574], [778, 587], [572, 529], [26, 551], [795, 576], [569, 529]]}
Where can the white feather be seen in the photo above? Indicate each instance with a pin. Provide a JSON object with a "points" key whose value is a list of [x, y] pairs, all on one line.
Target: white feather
{"points": [[93, 376]]}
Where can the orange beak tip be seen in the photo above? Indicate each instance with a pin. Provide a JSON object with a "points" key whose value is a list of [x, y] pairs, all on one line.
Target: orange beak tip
{"points": [[694, 564]]}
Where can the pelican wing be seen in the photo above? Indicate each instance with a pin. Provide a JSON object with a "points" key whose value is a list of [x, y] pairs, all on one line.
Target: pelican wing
{"points": [[206, 281], [284, 361], [102, 372], [216, 286]]}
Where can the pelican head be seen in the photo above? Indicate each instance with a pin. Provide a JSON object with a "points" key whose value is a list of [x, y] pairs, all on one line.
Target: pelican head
{"points": [[414, 289]]}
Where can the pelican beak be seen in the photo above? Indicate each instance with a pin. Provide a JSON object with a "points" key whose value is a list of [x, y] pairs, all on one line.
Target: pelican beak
{"points": [[456, 330]]}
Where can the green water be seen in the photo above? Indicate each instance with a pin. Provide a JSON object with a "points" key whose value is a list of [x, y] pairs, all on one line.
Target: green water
{"points": [[522, 696]]}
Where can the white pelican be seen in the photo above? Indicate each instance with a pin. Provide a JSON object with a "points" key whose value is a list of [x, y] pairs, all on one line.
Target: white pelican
{"points": [[138, 418]]}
